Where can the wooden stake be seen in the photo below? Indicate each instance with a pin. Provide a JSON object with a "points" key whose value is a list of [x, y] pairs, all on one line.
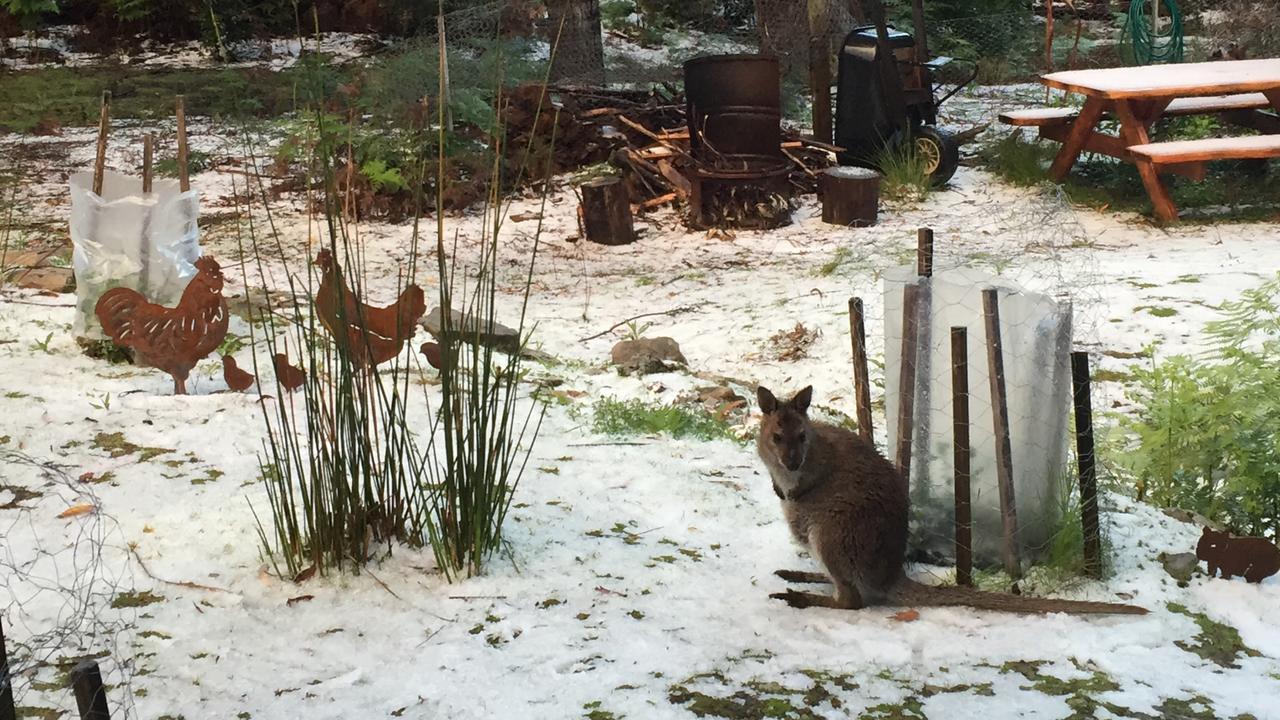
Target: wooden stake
{"points": [[104, 127], [1004, 445], [91, 697], [924, 252], [960, 433], [184, 181], [861, 378], [148, 148], [1085, 462], [907, 381], [7, 711]]}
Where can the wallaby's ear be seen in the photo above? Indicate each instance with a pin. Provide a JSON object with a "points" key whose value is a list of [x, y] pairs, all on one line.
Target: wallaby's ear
{"points": [[801, 400], [768, 403]]}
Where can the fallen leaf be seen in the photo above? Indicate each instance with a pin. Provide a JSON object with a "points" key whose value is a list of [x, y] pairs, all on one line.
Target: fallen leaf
{"points": [[521, 217], [86, 477], [305, 575], [301, 598], [77, 510], [906, 615]]}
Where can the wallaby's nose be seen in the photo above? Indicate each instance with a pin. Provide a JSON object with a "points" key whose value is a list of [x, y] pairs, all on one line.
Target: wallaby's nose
{"points": [[794, 465]]}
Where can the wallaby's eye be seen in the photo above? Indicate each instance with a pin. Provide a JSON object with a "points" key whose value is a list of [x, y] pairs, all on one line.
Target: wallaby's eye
{"points": [[777, 437]]}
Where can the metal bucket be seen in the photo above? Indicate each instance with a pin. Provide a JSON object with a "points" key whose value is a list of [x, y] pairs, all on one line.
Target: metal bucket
{"points": [[734, 112]]}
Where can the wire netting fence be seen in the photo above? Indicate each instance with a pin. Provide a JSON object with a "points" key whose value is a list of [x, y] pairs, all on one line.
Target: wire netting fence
{"points": [[64, 596]]}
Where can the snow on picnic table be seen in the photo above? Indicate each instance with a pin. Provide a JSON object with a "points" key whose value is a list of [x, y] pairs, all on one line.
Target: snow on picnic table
{"points": [[637, 575]]}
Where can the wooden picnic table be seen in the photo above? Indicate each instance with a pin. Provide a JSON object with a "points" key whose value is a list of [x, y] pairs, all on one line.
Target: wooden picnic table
{"points": [[1138, 96]]}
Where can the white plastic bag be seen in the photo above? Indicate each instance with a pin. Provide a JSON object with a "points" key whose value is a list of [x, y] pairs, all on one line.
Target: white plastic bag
{"points": [[125, 238], [1036, 337]]}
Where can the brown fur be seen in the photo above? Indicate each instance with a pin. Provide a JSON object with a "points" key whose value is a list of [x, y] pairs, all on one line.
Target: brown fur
{"points": [[1253, 558], [848, 505]]}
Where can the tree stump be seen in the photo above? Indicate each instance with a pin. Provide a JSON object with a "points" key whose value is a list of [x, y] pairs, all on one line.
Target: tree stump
{"points": [[606, 212], [850, 195]]}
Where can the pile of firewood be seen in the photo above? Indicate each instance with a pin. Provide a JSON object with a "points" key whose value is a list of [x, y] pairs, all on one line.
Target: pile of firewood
{"points": [[642, 134]]}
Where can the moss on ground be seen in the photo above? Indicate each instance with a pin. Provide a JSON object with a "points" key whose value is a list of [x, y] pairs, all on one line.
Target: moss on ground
{"points": [[1218, 643]]}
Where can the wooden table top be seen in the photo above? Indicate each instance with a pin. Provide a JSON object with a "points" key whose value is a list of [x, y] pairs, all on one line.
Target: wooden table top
{"points": [[1182, 80]]}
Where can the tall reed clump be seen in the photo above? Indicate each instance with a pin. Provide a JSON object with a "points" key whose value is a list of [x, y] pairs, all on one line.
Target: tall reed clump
{"points": [[486, 437], [339, 463], [359, 462]]}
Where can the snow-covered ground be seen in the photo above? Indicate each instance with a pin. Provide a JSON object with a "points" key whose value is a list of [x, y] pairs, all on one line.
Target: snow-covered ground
{"points": [[637, 575]]}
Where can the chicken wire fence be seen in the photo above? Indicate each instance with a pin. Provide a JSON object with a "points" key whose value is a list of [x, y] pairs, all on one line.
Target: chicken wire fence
{"points": [[1050, 303], [65, 597]]}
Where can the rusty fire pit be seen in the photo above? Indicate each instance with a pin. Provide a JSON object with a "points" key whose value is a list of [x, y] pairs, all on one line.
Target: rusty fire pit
{"points": [[734, 112]]}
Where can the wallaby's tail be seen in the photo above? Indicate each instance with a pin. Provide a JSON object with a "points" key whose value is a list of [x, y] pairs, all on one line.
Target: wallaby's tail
{"points": [[910, 592]]}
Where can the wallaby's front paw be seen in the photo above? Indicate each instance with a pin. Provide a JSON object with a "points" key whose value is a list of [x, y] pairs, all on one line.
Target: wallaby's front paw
{"points": [[801, 576], [794, 598]]}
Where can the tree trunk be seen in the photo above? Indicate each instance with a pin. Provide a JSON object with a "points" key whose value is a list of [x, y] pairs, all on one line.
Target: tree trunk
{"points": [[820, 68], [577, 43]]}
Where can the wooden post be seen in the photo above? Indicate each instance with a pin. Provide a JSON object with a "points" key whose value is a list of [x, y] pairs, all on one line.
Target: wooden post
{"points": [[104, 127], [924, 252], [91, 697], [820, 69], [1085, 463], [7, 711], [907, 381], [148, 148], [960, 433], [1004, 445], [184, 181], [606, 212], [922, 44], [861, 379], [850, 196]]}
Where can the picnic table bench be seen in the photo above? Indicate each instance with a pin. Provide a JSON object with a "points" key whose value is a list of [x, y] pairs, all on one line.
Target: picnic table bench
{"points": [[1137, 97]]}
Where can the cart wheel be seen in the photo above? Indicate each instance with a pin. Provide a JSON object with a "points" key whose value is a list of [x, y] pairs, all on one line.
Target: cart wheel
{"points": [[940, 152]]}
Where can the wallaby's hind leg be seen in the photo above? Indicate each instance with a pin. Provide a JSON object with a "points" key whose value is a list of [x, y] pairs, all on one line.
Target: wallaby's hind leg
{"points": [[845, 598], [801, 576]]}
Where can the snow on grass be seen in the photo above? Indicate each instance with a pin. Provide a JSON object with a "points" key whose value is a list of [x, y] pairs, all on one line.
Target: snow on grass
{"points": [[636, 578]]}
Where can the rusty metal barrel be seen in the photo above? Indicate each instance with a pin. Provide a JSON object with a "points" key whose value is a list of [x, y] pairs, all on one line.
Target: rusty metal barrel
{"points": [[734, 112]]}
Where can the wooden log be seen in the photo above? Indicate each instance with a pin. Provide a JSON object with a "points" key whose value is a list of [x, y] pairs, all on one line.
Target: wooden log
{"points": [[184, 180], [148, 150], [924, 252], [960, 435], [1085, 463], [861, 378], [91, 697], [850, 196], [100, 159], [907, 381], [1004, 445], [7, 711], [606, 212]]}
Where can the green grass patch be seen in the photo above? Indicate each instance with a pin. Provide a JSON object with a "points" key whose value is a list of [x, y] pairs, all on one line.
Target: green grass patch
{"points": [[73, 96], [904, 172], [1245, 188], [635, 417], [135, 599], [1157, 310], [116, 446]]}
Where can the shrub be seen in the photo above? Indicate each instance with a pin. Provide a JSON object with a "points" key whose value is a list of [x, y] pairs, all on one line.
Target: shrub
{"points": [[1206, 432], [636, 417]]}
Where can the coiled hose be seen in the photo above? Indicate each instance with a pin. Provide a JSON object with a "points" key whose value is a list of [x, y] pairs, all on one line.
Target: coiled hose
{"points": [[1162, 47]]}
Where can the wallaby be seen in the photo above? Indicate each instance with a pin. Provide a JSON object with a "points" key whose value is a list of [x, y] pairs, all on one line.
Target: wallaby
{"points": [[847, 505]]}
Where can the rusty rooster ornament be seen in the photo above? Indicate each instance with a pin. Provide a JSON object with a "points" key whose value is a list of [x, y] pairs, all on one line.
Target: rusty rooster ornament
{"points": [[171, 339], [371, 335]]}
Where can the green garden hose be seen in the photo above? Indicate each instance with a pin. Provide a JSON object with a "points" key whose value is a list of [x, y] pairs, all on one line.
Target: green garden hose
{"points": [[1148, 47]]}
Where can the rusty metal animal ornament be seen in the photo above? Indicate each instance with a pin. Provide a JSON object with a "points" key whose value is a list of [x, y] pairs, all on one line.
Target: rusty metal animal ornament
{"points": [[170, 339], [1253, 558], [369, 335], [289, 377], [237, 379]]}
